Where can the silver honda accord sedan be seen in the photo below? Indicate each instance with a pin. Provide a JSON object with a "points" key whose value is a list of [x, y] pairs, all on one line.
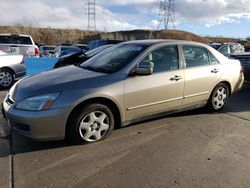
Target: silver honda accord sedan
{"points": [[126, 83]]}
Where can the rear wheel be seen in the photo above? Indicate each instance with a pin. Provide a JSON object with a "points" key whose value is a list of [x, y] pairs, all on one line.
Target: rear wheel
{"points": [[218, 98], [91, 124], [6, 78]]}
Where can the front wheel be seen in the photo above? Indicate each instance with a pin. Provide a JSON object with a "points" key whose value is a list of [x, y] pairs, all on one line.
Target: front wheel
{"points": [[91, 124], [218, 98], [6, 78]]}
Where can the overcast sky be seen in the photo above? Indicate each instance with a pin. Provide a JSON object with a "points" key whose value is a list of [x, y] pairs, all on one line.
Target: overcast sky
{"points": [[229, 18]]}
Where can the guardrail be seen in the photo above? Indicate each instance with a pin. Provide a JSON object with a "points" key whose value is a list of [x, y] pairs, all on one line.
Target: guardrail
{"points": [[37, 65]]}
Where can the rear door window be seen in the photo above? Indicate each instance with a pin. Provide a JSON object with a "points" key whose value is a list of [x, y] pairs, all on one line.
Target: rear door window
{"points": [[213, 60], [195, 56], [15, 40]]}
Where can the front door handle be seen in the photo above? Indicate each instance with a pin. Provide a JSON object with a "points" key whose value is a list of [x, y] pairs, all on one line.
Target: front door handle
{"points": [[214, 71], [176, 78]]}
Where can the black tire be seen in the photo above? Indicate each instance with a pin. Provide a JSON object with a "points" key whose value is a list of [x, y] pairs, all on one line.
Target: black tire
{"points": [[73, 127], [6, 74], [218, 98]]}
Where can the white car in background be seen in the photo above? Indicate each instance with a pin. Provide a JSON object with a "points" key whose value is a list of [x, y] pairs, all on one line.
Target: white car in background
{"points": [[11, 67], [18, 44]]}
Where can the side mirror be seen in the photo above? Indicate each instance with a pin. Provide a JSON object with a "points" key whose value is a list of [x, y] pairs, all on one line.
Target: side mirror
{"points": [[143, 70]]}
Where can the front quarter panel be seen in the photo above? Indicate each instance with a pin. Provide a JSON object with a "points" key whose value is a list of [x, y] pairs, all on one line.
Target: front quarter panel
{"points": [[113, 92]]}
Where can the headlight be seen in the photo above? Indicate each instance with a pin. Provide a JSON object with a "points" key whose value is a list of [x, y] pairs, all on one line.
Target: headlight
{"points": [[37, 103]]}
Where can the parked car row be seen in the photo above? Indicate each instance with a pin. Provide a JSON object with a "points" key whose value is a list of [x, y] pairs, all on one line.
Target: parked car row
{"points": [[125, 83], [25, 45]]}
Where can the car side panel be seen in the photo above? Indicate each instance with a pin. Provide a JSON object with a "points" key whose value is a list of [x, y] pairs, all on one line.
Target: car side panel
{"points": [[199, 82], [156, 93]]}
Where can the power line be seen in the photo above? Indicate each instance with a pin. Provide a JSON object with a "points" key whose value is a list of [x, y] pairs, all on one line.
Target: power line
{"points": [[166, 14], [91, 15]]}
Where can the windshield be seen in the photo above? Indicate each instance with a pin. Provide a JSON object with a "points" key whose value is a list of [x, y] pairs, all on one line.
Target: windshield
{"points": [[95, 51], [113, 59]]}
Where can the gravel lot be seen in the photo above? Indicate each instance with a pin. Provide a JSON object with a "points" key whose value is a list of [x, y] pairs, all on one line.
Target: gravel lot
{"points": [[191, 149]]}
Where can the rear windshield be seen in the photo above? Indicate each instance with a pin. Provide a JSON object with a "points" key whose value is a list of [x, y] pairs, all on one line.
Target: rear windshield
{"points": [[15, 40], [68, 48]]}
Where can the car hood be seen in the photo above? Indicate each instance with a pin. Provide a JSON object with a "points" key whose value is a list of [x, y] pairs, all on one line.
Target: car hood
{"points": [[67, 78]]}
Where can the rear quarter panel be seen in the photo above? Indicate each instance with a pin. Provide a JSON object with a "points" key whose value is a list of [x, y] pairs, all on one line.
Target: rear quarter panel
{"points": [[232, 73]]}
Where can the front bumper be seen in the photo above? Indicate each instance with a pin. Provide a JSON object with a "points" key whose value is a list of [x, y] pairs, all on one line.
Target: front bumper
{"points": [[38, 125]]}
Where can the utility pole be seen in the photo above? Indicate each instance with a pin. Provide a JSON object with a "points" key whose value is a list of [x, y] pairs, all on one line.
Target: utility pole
{"points": [[91, 15], [166, 14]]}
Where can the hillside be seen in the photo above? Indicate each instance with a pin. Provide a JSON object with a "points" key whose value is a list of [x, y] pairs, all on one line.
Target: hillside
{"points": [[59, 36], [49, 35]]}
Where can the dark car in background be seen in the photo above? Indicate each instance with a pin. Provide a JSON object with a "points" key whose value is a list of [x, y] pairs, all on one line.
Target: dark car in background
{"points": [[244, 58], [79, 57], [97, 43], [84, 47], [63, 50]]}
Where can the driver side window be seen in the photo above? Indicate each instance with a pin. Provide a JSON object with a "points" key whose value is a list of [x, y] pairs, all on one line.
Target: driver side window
{"points": [[164, 59]]}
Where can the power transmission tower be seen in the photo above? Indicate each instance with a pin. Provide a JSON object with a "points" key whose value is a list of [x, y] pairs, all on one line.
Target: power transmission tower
{"points": [[91, 15], [166, 14]]}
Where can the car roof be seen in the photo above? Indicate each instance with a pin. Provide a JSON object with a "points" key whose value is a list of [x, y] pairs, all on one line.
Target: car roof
{"points": [[159, 41]]}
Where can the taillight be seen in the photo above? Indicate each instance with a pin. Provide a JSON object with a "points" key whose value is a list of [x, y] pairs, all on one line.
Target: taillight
{"points": [[22, 62], [241, 69], [36, 52]]}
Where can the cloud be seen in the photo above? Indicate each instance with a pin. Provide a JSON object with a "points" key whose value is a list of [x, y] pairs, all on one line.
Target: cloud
{"points": [[212, 12], [72, 14], [58, 15]]}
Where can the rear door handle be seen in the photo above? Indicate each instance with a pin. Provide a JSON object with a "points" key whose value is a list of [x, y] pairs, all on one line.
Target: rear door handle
{"points": [[176, 78], [214, 71]]}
